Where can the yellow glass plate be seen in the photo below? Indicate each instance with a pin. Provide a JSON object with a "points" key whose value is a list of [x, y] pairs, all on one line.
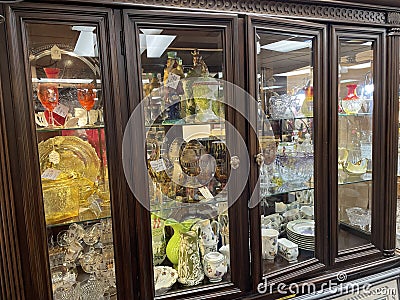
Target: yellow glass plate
{"points": [[77, 157]]}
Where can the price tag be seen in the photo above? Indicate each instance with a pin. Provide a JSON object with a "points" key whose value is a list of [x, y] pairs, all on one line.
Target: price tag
{"points": [[158, 165], [54, 157], [55, 53], [61, 110], [366, 150], [51, 174], [173, 81], [206, 192]]}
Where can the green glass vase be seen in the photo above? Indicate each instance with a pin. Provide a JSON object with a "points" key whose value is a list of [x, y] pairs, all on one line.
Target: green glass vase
{"points": [[174, 242]]}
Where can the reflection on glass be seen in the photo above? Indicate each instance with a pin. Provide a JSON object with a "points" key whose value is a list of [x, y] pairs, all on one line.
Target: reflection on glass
{"points": [[355, 141], [186, 156], [68, 111], [285, 134]]}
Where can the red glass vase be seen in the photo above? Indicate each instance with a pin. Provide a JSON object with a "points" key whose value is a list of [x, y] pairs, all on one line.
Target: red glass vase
{"points": [[351, 92], [351, 104]]}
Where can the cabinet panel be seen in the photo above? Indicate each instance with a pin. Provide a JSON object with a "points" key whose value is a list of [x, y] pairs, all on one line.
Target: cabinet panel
{"points": [[288, 70], [355, 140], [285, 71], [360, 138], [62, 112], [68, 106], [185, 76]]}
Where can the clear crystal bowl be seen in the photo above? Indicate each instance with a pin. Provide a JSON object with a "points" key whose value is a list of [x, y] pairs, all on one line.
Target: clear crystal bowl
{"points": [[295, 169], [352, 106], [359, 216], [280, 106]]}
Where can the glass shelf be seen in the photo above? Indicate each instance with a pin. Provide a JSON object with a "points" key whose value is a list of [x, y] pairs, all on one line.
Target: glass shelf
{"points": [[88, 221], [311, 186], [178, 122], [291, 118], [356, 180], [56, 129], [283, 192], [353, 229], [155, 208], [368, 114]]}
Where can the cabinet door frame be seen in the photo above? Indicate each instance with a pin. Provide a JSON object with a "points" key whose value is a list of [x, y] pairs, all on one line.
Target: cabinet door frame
{"points": [[321, 133], [22, 141], [380, 137], [240, 261]]}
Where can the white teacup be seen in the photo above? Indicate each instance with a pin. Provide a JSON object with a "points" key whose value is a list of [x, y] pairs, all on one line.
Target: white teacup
{"points": [[293, 205], [277, 218], [280, 207], [307, 212], [291, 215], [269, 243], [271, 225]]}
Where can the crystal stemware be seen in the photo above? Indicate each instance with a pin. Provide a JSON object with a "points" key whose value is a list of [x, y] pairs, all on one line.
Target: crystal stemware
{"points": [[47, 92], [86, 97], [92, 235]]}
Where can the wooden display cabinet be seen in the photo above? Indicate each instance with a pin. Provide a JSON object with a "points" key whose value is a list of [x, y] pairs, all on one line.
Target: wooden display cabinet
{"points": [[248, 44]]}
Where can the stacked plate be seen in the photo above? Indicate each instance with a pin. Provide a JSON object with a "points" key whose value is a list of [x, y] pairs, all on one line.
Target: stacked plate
{"points": [[302, 233]]}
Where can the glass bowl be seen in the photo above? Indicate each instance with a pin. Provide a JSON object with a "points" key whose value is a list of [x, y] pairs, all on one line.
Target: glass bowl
{"points": [[359, 216], [352, 106], [280, 106], [295, 169]]}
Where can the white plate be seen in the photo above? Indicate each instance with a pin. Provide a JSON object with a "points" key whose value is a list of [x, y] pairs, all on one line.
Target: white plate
{"points": [[302, 228]]}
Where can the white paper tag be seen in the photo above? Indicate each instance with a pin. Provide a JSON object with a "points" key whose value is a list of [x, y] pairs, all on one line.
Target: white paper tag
{"points": [[173, 81], [158, 165], [61, 110], [206, 192], [51, 174], [366, 150], [54, 157], [55, 53]]}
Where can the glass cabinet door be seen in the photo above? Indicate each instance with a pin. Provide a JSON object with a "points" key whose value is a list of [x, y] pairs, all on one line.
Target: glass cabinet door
{"points": [[355, 140], [68, 102], [286, 144], [184, 74], [187, 156]]}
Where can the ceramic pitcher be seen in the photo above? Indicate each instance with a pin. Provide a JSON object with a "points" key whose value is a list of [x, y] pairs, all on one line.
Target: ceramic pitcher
{"points": [[190, 269], [206, 232]]}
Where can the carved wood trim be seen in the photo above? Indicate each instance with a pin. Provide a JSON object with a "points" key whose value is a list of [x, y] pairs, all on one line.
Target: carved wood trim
{"points": [[393, 18], [391, 150], [279, 8], [394, 32], [11, 284]]}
